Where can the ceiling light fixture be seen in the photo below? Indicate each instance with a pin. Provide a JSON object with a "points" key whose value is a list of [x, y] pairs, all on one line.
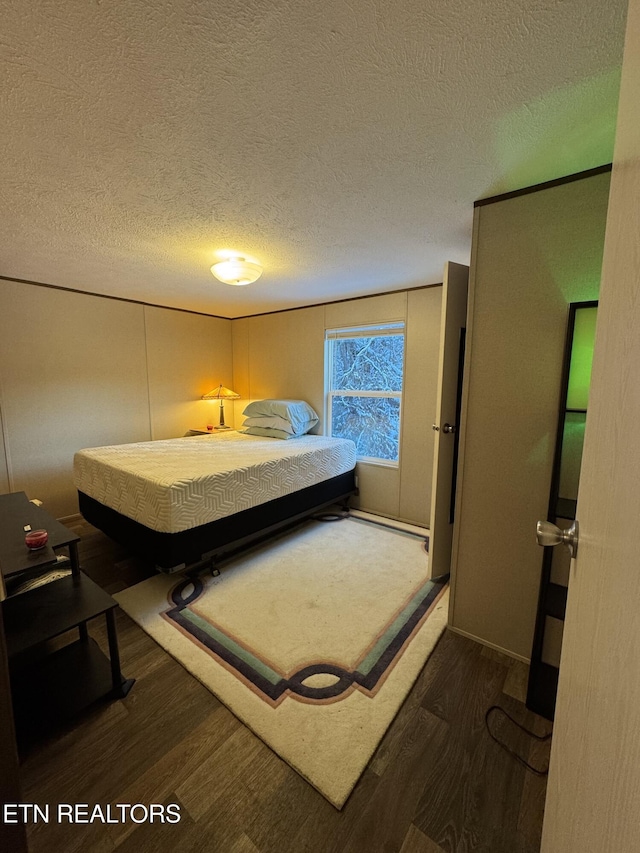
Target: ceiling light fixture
{"points": [[236, 271]]}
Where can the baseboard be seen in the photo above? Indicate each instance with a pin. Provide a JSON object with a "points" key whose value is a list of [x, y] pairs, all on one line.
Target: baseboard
{"points": [[489, 645], [390, 522], [70, 519], [397, 518]]}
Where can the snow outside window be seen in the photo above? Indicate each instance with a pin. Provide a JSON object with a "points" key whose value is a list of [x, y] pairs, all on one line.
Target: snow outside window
{"points": [[364, 373]]}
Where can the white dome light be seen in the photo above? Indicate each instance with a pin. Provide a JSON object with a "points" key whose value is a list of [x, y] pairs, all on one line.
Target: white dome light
{"points": [[236, 271]]}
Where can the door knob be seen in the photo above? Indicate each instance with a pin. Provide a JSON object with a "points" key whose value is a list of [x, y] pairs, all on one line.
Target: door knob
{"points": [[449, 429], [549, 534]]}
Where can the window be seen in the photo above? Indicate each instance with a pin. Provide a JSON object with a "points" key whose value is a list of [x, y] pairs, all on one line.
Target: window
{"points": [[364, 372]]}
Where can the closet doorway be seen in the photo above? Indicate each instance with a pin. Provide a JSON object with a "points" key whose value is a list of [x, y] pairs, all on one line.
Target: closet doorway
{"points": [[552, 599]]}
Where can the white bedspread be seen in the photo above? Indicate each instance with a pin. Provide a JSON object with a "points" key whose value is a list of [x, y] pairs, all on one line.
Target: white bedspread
{"points": [[182, 483]]}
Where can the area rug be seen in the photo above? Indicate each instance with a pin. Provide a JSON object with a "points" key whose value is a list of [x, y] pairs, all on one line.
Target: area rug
{"points": [[312, 640]]}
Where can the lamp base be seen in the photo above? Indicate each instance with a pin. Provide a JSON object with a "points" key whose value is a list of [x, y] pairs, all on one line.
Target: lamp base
{"points": [[222, 426]]}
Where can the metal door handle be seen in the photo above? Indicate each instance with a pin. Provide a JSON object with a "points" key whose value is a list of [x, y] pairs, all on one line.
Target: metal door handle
{"points": [[449, 429], [549, 534]]}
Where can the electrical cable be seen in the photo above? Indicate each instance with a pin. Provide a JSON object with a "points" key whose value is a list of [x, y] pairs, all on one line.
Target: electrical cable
{"points": [[331, 516], [508, 749]]}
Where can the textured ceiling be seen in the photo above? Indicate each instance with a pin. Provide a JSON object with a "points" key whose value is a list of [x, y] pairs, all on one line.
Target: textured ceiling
{"points": [[340, 144]]}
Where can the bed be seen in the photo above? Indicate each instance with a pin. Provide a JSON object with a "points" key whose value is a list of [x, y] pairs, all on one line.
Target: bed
{"points": [[187, 502]]}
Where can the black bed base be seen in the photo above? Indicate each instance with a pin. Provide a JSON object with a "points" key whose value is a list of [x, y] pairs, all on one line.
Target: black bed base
{"points": [[174, 552]]}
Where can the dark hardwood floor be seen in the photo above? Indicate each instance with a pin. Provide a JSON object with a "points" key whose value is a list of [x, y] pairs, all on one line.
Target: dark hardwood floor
{"points": [[437, 783]]}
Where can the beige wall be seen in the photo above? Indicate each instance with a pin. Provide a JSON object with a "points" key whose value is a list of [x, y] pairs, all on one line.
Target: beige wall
{"points": [[78, 370], [282, 355], [187, 355], [81, 371], [532, 255]]}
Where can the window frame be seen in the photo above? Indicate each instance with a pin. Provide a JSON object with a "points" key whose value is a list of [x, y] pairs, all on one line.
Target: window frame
{"points": [[386, 329]]}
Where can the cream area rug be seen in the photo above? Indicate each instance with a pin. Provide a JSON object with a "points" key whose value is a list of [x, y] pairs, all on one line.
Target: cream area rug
{"points": [[313, 640]]}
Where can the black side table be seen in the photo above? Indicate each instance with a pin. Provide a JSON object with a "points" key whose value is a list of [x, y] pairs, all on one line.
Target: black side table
{"points": [[17, 515], [51, 686]]}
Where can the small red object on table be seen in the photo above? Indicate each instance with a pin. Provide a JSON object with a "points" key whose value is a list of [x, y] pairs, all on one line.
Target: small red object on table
{"points": [[36, 539]]}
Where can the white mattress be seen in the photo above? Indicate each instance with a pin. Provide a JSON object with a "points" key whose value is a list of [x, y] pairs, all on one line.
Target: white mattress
{"points": [[182, 483]]}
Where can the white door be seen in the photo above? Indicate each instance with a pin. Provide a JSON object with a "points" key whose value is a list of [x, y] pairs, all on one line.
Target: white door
{"points": [[593, 798], [453, 321]]}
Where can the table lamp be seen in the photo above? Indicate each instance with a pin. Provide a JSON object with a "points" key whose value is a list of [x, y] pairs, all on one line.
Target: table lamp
{"points": [[221, 393]]}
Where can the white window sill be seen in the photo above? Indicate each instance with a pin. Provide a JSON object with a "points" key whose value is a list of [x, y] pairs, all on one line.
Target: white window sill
{"points": [[377, 463]]}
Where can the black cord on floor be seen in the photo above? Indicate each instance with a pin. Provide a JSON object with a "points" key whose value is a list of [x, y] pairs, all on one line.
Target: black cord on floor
{"points": [[511, 752], [332, 516]]}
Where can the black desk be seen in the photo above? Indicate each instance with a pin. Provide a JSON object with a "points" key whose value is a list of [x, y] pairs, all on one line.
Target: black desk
{"points": [[17, 513], [52, 686]]}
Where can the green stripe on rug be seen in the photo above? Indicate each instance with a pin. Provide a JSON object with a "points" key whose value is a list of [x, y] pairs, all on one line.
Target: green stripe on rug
{"points": [[378, 650], [260, 667]]}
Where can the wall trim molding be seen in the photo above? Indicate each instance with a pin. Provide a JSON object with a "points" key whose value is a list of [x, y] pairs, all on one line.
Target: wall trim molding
{"points": [[338, 301], [204, 313], [108, 296], [545, 185]]}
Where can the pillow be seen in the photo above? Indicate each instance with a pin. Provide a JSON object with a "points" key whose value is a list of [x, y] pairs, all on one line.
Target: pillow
{"points": [[268, 432], [276, 422], [297, 412]]}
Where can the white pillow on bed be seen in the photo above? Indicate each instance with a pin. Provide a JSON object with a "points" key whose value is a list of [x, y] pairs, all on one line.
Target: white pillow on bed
{"points": [[276, 422], [268, 432], [297, 413]]}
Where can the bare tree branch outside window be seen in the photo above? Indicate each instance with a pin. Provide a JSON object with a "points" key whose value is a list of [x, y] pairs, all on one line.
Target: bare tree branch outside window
{"points": [[374, 367]]}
